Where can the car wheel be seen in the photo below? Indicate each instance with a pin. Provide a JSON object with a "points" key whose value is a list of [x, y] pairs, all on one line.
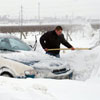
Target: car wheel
{"points": [[6, 75]]}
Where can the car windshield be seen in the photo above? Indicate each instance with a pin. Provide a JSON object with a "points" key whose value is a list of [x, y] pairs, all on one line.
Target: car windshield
{"points": [[13, 44]]}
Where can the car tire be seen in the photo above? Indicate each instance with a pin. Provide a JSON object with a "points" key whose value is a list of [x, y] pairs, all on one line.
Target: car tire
{"points": [[7, 75]]}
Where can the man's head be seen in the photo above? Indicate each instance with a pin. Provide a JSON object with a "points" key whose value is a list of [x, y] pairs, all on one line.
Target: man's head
{"points": [[58, 30]]}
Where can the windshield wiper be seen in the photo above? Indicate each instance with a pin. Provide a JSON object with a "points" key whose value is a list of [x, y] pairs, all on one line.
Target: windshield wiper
{"points": [[4, 49]]}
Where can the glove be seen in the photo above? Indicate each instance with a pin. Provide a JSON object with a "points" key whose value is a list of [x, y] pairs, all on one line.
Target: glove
{"points": [[72, 48], [46, 49]]}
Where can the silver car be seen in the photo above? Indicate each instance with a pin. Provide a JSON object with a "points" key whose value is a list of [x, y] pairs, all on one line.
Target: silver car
{"points": [[45, 66]]}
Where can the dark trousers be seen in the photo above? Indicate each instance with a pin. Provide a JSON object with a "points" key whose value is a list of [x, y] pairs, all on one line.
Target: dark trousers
{"points": [[52, 54]]}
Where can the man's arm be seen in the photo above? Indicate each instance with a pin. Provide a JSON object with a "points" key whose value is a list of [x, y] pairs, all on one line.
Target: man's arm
{"points": [[43, 39], [65, 43]]}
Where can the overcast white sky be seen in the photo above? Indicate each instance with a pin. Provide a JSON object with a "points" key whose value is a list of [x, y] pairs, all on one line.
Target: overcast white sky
{"points": [[58, 8]]}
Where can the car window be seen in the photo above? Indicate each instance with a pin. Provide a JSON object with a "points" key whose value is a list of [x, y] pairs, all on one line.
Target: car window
{"points": [[5, 43], [13, 44], [17, 44]]}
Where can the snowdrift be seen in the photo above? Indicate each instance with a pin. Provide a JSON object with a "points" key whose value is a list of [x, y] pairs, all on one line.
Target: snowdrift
{"points": [[46, 89]]}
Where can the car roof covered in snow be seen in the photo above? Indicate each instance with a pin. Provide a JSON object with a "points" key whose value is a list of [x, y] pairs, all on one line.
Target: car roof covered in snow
{"points": [[7, 35]]}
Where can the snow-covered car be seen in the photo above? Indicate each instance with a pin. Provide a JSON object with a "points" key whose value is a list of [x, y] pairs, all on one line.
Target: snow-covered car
{"points": [[45, 66], [14, 69]]}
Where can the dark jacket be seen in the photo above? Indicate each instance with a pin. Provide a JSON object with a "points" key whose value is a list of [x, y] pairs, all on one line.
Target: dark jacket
{"points": [[51, 40]]}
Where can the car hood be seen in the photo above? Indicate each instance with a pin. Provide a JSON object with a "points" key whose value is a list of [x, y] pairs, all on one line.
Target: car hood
{"points": [[35, 59]]}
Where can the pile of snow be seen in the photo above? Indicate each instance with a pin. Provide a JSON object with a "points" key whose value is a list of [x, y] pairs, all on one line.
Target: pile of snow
{"points": [[85, 63], [46, 89]]}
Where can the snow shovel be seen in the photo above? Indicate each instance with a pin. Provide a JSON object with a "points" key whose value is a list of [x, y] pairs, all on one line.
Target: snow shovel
{"points": [[69, 49], [55, 49]]}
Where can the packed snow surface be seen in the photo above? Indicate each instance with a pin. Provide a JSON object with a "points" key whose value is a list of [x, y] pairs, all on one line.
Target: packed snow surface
{"points": [[48, 89]]}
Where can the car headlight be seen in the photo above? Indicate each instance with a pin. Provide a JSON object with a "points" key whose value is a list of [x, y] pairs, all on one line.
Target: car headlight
{"points": [[30, 72]]}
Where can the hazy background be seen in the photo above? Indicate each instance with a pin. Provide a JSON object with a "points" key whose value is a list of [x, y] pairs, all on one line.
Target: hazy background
{"points": [[51, 8]]}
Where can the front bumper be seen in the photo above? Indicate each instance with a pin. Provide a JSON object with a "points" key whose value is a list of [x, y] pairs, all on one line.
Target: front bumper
{"points": [[29, 76], [66, 75], [26, 76]]}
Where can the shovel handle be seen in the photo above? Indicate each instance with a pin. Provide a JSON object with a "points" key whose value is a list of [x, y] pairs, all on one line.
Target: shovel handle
{"points": [[56, 49]]}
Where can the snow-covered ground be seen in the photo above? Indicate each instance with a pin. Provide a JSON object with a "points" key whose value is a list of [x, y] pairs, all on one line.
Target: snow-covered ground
{"points": [[48, 89], [86, 81]]}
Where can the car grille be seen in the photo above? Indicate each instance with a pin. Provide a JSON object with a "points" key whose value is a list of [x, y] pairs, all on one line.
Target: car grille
{"points": [[60, 71]]}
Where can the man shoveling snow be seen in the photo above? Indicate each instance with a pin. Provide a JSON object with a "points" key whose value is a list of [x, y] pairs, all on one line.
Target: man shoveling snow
{"points": [[53, 39]]}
